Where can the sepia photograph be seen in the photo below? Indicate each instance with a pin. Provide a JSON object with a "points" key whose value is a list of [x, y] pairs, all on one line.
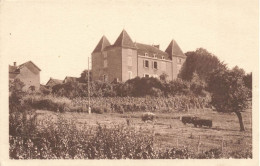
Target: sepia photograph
{"points": [[153, 82]]}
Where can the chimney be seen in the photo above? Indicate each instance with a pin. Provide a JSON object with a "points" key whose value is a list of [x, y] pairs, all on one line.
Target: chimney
{"points": [[156, 46], [14, 64]]}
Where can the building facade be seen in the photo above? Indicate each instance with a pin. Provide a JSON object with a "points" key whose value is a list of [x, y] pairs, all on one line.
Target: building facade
{"points": [[126, 60], [52, 82], [28, 73]]}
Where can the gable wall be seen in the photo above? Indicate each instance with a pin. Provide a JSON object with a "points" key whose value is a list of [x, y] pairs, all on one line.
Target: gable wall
{"points": [[29, 78], [126, 67]]}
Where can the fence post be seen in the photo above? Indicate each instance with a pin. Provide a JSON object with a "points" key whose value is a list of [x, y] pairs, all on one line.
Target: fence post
{"points": [[177, 143], [222, 144], [199, 145]]}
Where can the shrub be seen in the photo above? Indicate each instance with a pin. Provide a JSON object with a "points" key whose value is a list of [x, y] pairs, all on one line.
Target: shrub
{"points": [[97, 110], [148, 116], [177, 87], [155, 92]]}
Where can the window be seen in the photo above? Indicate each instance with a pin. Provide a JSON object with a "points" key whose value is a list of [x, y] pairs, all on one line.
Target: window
{"points": [[145, 54], [105, 63], [129, 61], [146, 63], [129, 74], [155, 65], [129, 52], [179, 60], [163, 66], [162, 57], [146, 75], [105, 54], [105, 78], [154, 55]]}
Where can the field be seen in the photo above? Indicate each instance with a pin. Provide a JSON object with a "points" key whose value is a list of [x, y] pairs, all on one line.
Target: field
{"points": [[49, 127], [169, 131]]}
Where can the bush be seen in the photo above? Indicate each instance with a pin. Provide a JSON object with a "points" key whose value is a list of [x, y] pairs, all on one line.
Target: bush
{"points": [[177, 87], [97, 110], [155, 92]]}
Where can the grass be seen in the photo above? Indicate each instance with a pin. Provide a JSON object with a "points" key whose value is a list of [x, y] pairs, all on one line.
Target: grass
{"points": [[169, 130]]}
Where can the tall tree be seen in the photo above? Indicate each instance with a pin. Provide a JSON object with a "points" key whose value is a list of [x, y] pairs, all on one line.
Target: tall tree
{"points": [[84, 76], [229, 93], [200, 61]]}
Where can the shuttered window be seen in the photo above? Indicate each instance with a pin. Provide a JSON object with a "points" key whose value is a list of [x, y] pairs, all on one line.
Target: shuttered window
{"points": [[155, 65], [179, 60], [105, 54], [129, 52], [146, 63], [163, 66], [130, 75], [105, 78], [105, 63], [129, 61]]}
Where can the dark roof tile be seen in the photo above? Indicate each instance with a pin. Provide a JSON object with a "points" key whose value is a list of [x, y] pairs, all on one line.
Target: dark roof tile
{"points": [[124, 40], [103, 43], [151, 50], [174, 50]]}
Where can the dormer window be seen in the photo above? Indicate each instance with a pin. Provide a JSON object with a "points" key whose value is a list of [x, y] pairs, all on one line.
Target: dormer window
{"points": [[179, 60], [146, 54], [162, 57], [105, 54]]}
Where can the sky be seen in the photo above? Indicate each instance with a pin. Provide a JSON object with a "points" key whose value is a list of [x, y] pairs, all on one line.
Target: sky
{"points": [[59, 36]]}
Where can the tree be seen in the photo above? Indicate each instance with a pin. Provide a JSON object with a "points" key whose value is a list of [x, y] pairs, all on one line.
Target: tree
{"points": [[163, 77], [84, 76], [248, 82], [197, 85], [229, 93], [15, 91], [200, 61]]}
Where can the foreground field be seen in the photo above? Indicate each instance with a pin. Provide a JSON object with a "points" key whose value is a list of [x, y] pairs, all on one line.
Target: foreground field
{"points": [[169, 131]]}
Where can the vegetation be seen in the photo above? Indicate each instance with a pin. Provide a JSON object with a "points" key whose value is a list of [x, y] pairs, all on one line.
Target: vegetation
{"points": [[137, 87], [204, 82], [84, 76], [118, 104], [200, 61], [229, 93]]}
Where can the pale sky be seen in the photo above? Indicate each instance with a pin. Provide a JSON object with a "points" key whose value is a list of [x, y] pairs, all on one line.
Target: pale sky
{"points": [[59, 36]]}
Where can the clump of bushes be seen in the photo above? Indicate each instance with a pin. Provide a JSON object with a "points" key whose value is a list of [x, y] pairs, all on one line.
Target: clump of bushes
{"points": [[46, 104], [97, 110], [148, 116]]}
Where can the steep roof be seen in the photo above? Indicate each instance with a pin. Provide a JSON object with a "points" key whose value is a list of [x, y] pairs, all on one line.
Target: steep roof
{"points": [[102, 44], [144, 48], [124, 40], [15, 70], [72, 79], [174, 50], [55, 81], [27, 64]]}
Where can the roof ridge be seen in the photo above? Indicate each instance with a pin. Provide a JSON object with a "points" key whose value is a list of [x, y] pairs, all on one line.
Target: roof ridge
{"points": [[124, 40], [174, 49], [21, 65], [103, 42], [123, 36]]}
